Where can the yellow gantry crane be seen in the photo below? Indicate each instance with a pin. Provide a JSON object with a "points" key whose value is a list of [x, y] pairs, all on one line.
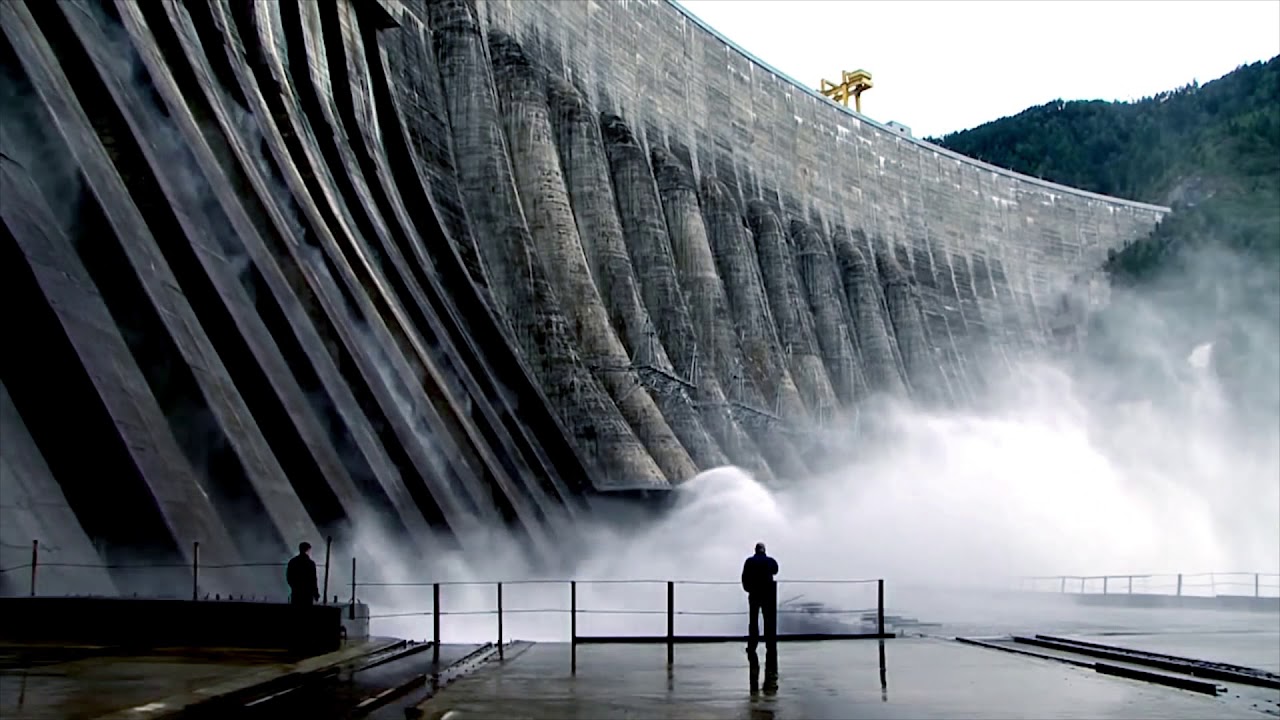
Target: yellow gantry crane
{"points": [[852, 84]]}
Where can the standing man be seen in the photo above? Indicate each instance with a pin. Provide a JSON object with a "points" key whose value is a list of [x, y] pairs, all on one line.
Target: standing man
{"points": [[301, 576], [762, 595]]}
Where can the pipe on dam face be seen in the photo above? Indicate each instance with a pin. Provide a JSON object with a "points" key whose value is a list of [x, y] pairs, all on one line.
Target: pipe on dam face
{"points": [[274, 395], [354, 243], [293, 229], [84, 354], [213, 414], [28, 483], [640, 213], [977, 353], [415, 139], [862, 385], [931, 283], [284, 305], [545, 199], [790, 310], [711, 316], [918, 358], [413, 80], [870, 321], [586, 173], [458, 386], [821, 284], [735, 258], [519, 281]]}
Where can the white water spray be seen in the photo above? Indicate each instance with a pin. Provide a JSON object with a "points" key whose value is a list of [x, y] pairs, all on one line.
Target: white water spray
{"points": [[1137, 460], [1043, 485]]}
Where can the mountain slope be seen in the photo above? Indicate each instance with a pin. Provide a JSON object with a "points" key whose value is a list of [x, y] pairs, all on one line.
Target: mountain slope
{"points": [[1211, 152]]}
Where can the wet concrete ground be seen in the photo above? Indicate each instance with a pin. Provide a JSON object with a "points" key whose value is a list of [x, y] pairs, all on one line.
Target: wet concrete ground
{"points": [[919, 678], [923, 676], [62, 683], [89, 682], [1256, 649]]}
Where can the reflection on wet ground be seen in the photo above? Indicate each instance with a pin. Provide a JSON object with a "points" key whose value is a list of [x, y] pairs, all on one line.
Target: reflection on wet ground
{"points": [[932, 678]]}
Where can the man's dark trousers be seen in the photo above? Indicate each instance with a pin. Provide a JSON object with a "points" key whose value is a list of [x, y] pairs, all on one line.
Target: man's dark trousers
{"points": [[766, 603]]}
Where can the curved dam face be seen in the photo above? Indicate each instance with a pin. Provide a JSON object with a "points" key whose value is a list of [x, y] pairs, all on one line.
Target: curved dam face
{"points": [[408, 270]]}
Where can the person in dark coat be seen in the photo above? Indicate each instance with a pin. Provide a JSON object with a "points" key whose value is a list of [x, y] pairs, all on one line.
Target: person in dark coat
{"points": [[762, 596], [301, 576]]}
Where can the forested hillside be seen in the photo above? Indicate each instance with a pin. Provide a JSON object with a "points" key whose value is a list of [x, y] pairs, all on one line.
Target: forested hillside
{"points": [[1212, 153]]}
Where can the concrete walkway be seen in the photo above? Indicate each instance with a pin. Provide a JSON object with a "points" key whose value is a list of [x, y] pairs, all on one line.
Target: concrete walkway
{"points": [[82, 683], [914, 678]]}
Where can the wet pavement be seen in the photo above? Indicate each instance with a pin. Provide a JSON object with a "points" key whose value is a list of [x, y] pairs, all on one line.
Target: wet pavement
{"points": [[62, 683], [925, 675], [88, 684], [353, 693], [1256, 649], [900, 678]]}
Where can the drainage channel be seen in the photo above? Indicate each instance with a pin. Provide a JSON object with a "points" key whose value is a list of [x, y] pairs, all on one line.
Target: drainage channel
{"points": [[1184, 665], [358, 688], [459, 669], [1064, 655], [1247, 686]]}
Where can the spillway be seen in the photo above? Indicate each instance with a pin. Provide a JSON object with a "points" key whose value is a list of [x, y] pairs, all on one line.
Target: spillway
{"points": [[411, 270]]}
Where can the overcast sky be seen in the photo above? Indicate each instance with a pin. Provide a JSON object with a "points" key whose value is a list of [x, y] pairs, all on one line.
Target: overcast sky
{"points": [[940, 66]]}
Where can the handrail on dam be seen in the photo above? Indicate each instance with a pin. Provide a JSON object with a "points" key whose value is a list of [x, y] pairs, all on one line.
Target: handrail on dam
{"points": [[886, 129], [788, 606], [870, 619], [1205, 584]]}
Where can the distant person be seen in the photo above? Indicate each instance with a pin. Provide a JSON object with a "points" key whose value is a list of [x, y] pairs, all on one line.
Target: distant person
{"points": [[301, 576], [762, 595]]}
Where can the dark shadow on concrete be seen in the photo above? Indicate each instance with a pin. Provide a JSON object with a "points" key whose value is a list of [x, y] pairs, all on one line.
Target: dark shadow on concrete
{"points": [[138, 623]]}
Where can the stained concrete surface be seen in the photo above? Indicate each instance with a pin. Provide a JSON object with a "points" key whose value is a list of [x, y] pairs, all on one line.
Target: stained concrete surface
{"points": [[71, 683], [914, 678], [95, 685]]}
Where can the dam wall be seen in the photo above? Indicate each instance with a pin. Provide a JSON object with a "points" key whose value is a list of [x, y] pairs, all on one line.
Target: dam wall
{"points": [[981, 243], [406, 271]]}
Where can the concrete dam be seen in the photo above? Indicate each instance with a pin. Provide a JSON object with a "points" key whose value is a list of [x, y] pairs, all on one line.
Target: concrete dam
{"points": [[280, 270]]}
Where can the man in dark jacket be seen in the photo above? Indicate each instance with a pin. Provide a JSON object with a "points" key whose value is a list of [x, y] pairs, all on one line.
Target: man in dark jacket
{"points": [[301, 576], [762, 595]]}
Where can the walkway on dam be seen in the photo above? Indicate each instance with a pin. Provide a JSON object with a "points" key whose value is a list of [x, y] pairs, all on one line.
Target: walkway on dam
{"points": [[901, 678], [905, 677]]}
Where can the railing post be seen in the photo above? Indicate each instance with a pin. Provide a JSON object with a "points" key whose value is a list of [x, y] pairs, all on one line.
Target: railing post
{"points": [[328, 547], [880, 606], [35, 561], [1105, 579], [499, 621], [353, 583], [435, 623], [1130, 584], [1063, 588], [1179, 584], [573, 626], [1257, 587], [195, 570], [671, 622]]}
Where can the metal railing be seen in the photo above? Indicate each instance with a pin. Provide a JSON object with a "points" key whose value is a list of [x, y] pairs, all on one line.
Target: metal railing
{"points": [[1210, 584], [198, 569], [576, 611], [870, 619]]}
